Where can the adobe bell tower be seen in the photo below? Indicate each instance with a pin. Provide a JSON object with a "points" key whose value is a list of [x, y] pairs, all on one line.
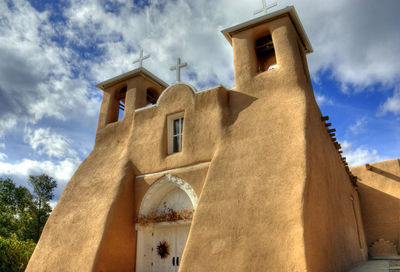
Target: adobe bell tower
{"points": [[269, 53]]}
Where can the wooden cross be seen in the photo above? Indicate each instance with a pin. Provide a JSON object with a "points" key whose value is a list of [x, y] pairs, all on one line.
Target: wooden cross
{"points": [[178, 68], [265, 7], [141, 59]]}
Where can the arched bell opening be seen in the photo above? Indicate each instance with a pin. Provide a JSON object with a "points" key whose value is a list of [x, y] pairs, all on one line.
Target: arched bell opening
{"points": [[163, 224]]}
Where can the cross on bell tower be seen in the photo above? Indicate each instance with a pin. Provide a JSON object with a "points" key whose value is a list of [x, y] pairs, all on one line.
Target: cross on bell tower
{"points": [[178, 68], [141, 59], [265, 7]]}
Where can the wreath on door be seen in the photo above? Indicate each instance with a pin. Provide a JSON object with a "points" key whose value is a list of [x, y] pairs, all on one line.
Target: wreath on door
{"points": [[163, 249]]}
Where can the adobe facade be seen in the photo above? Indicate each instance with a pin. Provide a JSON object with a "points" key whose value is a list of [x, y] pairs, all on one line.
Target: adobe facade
{"points": [[255, 167]]}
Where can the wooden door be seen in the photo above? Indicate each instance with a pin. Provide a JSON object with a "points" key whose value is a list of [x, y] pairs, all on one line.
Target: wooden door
{"points": [[175, 237], [161, 235]]}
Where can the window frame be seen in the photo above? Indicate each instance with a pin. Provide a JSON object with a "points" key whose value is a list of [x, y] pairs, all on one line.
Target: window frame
{"points": [[171, 120]]}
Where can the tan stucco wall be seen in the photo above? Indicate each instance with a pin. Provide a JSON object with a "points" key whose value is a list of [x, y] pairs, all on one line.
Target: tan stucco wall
{"points": [[203, 117], [379, 190], [256, 197], [93, 225], [243, 221], [73, 233], [249, 216], [334, 237]]}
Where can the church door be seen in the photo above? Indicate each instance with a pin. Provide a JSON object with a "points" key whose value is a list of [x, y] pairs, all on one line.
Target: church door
{"points": [[168, 245], [168, 207]]}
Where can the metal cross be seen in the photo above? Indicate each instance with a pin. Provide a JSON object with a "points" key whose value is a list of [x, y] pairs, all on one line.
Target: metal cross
{"points": [[178, 68], [141, 59], [265, 7]]}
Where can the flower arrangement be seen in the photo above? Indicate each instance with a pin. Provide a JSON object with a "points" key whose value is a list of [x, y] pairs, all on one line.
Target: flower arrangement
{"points": [[168, 215]]}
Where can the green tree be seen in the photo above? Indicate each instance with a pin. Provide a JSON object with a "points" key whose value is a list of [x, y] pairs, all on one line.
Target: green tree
{"points": [[22, 218], [24, 207], [16, 209], [43, 187], [15, 254]]}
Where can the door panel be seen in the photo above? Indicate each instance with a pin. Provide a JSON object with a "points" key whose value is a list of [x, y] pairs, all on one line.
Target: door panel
{"points": [[164, 264], [182, 233], [176, 237]]}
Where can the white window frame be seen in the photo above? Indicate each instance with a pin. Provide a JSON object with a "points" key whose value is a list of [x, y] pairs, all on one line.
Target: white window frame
{"points": [[170, 119]]}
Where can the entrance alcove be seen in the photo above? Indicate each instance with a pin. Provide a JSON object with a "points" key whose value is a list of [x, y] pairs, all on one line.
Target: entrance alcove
{"points": [[164, 224]]}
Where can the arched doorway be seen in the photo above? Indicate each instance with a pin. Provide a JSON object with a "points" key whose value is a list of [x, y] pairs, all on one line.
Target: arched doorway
{"points": [[163, 224]]}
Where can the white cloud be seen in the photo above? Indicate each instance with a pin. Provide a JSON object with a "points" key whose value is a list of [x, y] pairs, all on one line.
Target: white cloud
{"points": [[2, 145], [347, 42], [62, 171], [6, 124], [360, 155], [56, 79], [357, 42], [392, 104], [164, 29], [323, 100], [46, 142], [53, 204], [359, 126], [3, 156], [38, 76]]}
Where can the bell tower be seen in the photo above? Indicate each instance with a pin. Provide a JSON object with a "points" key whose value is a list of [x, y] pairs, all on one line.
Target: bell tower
{"points": [[269, 53], [126, 93]]}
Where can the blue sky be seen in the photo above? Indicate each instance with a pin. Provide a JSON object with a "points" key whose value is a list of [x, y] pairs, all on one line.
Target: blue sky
{"points": [[54, 52]]}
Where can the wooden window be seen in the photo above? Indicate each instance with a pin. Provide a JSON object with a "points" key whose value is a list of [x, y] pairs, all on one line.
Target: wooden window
{"points": [[265, 53], [175, 132]]}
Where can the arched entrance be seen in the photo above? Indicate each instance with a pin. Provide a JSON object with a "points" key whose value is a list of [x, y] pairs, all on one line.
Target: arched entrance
{"points": [[164, 223]]}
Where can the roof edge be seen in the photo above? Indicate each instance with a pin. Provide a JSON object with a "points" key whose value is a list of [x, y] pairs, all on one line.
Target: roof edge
{"points": [[131, 74], [290, 10]]}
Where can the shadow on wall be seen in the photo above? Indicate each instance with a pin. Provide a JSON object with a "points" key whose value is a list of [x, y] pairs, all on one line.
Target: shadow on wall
{"points": [[383, 172], [381, 218], [237, 103]]}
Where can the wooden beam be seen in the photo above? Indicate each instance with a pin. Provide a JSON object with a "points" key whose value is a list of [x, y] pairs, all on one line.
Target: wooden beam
{"points": [[324, 118], [331, 130], [337, 145], [369, 167], [328, 124]]}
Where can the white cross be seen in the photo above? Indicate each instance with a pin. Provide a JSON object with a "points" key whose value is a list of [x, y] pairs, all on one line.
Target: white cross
{"points": [[178, 68], [265, 7], [141, 59]]}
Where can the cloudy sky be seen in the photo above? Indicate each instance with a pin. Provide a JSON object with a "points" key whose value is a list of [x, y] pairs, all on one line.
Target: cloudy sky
{"points": [[54, 52]]}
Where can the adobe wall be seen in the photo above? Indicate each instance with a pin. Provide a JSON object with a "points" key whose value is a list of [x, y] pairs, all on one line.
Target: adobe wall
{"points": [[203, 120], [76, 227], [93, 225], [249, 216], [379, 190], [260, 199], [334, 237]]}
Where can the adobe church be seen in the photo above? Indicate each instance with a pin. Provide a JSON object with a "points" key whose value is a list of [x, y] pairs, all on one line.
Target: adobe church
{"points": [[242, 179]]}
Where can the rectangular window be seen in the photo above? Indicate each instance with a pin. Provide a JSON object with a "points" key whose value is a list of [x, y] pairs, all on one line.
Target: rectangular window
{"points": [[175, 132]]}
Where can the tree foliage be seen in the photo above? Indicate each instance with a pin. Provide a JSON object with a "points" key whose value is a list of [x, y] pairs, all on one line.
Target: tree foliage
{"points": [[43, 187], [22, 217], [15, 254]]}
